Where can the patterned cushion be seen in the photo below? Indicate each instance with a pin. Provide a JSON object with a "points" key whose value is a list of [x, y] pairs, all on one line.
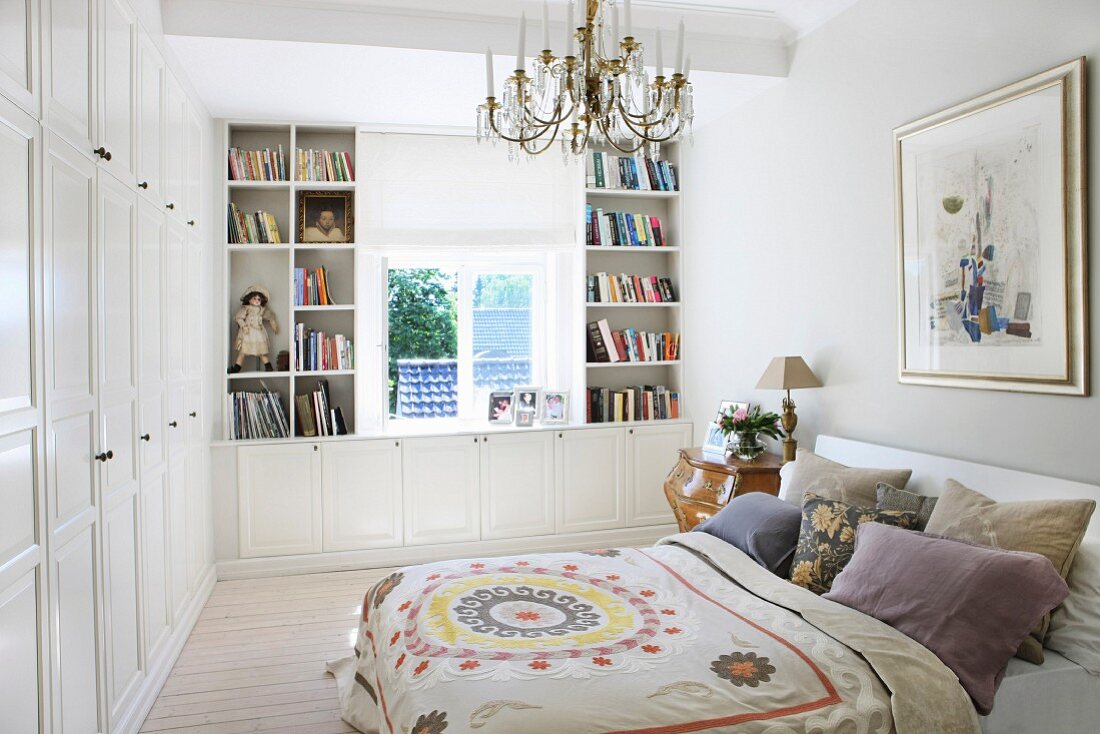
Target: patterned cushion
{"points": [[828, 536], [892, 498]]}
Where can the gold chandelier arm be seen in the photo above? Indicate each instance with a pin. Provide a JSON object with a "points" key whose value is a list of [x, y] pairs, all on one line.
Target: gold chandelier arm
{"points": [[521, 140], [644, 133], [607, 137]]}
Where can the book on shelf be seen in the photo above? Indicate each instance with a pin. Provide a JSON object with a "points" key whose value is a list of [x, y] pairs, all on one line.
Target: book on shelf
{"points": [[607, 345], [317, 416], [629, 404], [324, 165], [625, 288], [256, 414], [316, 351], [311, 287], [257, 165], [622, 229], [253, 229], [636, 172]]}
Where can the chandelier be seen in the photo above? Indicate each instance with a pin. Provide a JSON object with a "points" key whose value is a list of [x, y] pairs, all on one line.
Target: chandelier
{"points": [[598, 93]]}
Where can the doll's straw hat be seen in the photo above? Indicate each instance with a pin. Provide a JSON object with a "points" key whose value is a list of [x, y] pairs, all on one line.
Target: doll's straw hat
{"points": [[257, 289]]}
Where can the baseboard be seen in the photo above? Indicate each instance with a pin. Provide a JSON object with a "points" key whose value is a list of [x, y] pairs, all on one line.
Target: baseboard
{"points": [[249, 568], [158, 670]]}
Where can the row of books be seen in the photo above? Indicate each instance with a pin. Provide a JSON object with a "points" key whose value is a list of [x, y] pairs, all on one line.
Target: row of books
{"points": [[623, 288], [257, 415], [638, 403], [316, 414], [630, 345], [622, 229], [250, 229], [311, 287], [638, 172], [257, 165], [324, 165], [315, 350]]}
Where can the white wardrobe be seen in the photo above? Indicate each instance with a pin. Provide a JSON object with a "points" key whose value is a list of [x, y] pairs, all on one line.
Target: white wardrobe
{"points": [[104, 497]]}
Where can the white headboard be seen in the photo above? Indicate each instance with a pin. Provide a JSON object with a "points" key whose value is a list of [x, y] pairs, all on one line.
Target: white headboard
{"points": [[929, 473]]}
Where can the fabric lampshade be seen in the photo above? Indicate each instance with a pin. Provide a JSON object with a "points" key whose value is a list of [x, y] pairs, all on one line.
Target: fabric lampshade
{"points": [[788, 373]]}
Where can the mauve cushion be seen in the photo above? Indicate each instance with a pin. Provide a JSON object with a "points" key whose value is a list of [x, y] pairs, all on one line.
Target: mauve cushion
{"points": [[969, 604], [763, 526]]}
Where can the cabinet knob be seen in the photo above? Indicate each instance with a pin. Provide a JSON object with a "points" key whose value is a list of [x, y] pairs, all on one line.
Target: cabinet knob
{"points": [[561, 435], [173, 424], [193, 414], [170, 205], [397, 443], [631, 431], [105, 456], [316, 447], [143, 185], [485, 439], [103, 153], [190, 222], [144, 437], [475, 439]]}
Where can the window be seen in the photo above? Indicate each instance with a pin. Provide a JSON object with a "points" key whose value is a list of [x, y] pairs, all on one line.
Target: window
{"points": [[460, 330]]}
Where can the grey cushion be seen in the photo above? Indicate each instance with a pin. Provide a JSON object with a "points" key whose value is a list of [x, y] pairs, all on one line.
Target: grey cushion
{"points": [[892, 498], [851, 485], [763, 526]]}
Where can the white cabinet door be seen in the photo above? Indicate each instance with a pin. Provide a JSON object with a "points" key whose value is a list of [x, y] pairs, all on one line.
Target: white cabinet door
{"points": [[76, 624], [151, 244], [175, 139], [150, 125], [196, 481], [156, 552], [517, 485], [441, 489], [651, 452], [192, 167], [117, 41], [177, 531], [192, 361], [361, 494], [68, 71], [19, 53], [591, 479], [279, 499], [122, 594], [174, 301]]}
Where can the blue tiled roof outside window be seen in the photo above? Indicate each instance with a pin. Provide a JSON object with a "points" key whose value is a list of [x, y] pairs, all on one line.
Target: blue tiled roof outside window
{"points": [[428, 388], [502, 332]]}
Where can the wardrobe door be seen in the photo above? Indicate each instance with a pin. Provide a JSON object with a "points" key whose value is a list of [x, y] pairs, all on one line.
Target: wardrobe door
{"points": [[150, 124], [175, 138], [175, 301], [117, 41], [68, 71], [72, 434], [19, 53]]}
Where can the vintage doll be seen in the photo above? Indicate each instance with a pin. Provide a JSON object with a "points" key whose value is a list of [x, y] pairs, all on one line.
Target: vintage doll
{"points": [[251, 334]]}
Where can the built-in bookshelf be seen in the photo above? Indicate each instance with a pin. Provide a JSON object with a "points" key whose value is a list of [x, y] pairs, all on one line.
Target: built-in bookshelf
{"points": [[324, 312], [633, 255]]}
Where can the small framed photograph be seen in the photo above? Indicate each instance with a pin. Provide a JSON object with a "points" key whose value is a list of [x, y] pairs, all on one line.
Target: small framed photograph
{"points": [[715, 440], [555, 406], [326, 216], [525, 418], [500, 407], [726, 404], [527, 400]]}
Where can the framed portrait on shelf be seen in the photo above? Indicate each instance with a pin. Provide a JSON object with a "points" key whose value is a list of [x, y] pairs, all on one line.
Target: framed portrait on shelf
{"points": [[714, 441], [727, 404], [525, 418], [527, 400], [500, 407], [993, 288], [555, 406], [326, 216]]}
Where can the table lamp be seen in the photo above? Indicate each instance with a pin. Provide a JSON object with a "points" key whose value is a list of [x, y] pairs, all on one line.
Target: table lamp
{"points": [[788, 373]]}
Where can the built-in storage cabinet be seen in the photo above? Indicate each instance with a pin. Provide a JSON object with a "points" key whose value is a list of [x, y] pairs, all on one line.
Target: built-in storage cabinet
{"points": [[361, 494], [68, 71], [517, 485], [279, 499], [150, 121], [175, 144], [647, 461], [440, 478], [19, 53], [117, 53], [591, 480]]}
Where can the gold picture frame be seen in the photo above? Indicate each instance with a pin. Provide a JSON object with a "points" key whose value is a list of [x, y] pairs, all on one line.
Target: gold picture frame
{"points": [[991, 240], [326, 217]]}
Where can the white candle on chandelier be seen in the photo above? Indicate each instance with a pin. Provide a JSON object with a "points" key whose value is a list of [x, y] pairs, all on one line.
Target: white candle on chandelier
{"points": [[687, 66], [678, 60], [629, 19], [489, 72], [615, 26], [569, 31], [520, 56], [660, 56], [545, 24]]}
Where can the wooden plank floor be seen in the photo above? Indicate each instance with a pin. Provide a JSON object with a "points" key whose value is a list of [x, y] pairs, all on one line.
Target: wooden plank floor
{"points": [[255, 661]]}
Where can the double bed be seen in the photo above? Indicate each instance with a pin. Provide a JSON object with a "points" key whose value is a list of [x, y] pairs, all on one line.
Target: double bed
{"points": [[690, 635]]}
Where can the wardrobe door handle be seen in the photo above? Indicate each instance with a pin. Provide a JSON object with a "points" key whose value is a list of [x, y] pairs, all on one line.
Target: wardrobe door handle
{"points": [[190, 222], [103, 153], [193, 414], [105, 456], [144, 437], [173, 424], [170, 205], [143, 185]]}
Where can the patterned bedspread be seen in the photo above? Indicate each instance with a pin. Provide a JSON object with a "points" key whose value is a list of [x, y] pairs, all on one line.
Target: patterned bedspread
{"points": [[657, 640]]}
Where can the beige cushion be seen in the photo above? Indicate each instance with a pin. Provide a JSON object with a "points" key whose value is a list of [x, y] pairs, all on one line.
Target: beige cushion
{"points": [[1075, 626], [1051, 528], [850, 485]]}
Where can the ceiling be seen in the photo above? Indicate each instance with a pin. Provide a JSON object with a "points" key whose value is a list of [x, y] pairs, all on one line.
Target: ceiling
{"points": [[379, 60]]}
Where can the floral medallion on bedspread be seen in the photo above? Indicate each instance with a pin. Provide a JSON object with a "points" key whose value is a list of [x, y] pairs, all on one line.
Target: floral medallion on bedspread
{"points": [[652, 640]]}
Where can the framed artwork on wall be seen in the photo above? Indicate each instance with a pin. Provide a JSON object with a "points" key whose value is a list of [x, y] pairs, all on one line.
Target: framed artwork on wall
{"points": [[326, 216], [993, 288]]}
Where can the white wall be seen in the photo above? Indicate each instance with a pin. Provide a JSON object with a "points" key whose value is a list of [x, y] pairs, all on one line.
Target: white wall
{"points": [[791, 225]]}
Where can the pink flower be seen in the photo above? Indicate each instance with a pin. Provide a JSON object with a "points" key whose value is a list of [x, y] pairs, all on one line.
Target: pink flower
{"points": [[740, 414]]}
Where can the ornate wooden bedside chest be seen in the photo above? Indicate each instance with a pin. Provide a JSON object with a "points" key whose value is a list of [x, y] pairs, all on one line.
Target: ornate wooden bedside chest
{"points": [[701, 484]]}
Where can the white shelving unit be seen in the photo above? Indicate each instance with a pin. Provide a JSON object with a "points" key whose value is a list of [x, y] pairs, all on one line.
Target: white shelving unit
{"points": [[661, 261], [272, 265]]}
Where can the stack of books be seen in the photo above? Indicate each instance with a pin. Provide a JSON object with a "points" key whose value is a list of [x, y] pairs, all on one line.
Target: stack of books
{"points": [[622, 229], [316, 351], [637, 172], [257, 415], [638, 403], [324, 165], [257, 165], [623, 288], [316, 414], [311, 287], [629, 345], [251, 229]]}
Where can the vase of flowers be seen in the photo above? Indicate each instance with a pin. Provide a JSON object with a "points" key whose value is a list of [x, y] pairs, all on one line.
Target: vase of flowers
{"points": [[743, 429]]}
